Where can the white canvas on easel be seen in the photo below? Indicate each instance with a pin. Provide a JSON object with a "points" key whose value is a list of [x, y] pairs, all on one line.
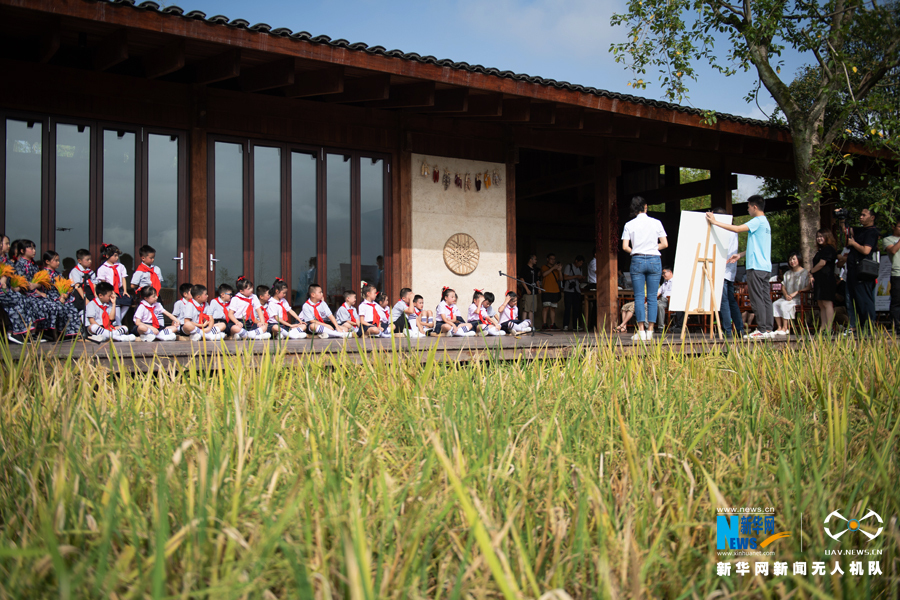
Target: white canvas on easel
{"points": [[692, 231]]}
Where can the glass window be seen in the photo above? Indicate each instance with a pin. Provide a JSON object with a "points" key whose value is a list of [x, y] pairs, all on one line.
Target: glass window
{"points": [[304, 190], [371, 201], [73, 193], [162, 204], [266, 214], [229, 212], [337, 169], [119, 193], [23, 180]]}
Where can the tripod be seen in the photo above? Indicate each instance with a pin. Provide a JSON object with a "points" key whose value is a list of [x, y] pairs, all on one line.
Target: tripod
{"points": [[528, 285]]}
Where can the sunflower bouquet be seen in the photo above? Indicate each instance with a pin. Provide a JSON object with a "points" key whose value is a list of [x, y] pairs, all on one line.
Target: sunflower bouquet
{"points": [[63, 285], [42, 279], [6, 270]]}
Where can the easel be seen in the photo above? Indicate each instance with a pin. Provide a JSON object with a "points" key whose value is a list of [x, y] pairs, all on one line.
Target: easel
{"points": [[708, 267]]}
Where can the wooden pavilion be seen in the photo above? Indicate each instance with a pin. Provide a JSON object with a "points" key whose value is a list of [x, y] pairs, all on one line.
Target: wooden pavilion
{"points": [[234, 147]]}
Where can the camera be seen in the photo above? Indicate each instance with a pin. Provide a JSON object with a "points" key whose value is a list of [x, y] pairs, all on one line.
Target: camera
{"points": [[841, 214]]}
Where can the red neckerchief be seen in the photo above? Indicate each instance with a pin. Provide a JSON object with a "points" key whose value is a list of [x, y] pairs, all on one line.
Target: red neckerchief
{"points": [[265, 314], [203, 318], [376, 319], [224, 308], [116, 278], [152, 313], [249, 302], [107, 325], [284, 313], [418, 312], [316, 310], [154, 278], [450, 307], [86, 275], [510, 312], [481, 317], [350, 310]]}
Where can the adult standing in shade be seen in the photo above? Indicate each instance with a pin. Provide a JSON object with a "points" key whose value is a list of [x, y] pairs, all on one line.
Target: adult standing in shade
{"points": [[861, 241], [759, 263], [644, 237], [530, 275], [891, 246], [551, 274]]}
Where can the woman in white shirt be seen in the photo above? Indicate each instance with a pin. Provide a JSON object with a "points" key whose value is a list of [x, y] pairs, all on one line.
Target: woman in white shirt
{"points": [[643, 238], [795, 281]]}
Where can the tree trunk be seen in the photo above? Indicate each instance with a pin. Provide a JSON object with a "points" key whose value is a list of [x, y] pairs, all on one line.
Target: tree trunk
{"points": [[808, 181]]}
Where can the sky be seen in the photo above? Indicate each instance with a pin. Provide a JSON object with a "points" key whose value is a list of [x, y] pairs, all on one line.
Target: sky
{"points": [[566, 40]]}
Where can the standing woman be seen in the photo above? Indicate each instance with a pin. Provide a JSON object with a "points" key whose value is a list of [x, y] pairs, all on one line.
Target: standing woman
{"points": [[823, 275], [644, 238]]}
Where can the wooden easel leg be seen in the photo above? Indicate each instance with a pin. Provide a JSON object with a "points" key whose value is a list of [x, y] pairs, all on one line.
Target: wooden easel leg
{"points": [[687, 305]]}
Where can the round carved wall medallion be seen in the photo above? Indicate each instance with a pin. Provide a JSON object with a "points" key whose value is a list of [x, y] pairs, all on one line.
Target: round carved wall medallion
{"points": [[461, 254]]}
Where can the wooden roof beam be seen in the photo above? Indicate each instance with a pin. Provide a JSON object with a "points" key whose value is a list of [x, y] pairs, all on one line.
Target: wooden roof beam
{"points": [[218, 68], [514, 110], [412, 95], [683, 191], [542, 114], [316, 83], [455, 100], [165, 60], [654, 133], [555, 183], [364, 89], [276, 74], [569, 117], [48, 44], [112, 50]]}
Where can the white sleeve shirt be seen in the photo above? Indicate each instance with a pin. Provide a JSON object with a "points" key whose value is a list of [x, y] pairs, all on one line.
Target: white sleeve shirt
{"points": [[644, 232]]}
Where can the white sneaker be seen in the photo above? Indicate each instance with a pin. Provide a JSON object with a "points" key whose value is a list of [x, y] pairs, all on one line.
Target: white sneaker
{"points": [[469, 334], [147, 337], [781, 332], [756, 335], [196, 336], [648, 336], [770, 334], [502, 332], [638, 337], [265, 335]]}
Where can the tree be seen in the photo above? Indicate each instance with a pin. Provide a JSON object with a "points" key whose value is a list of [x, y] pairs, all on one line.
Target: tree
{"points": [[853, 43]]}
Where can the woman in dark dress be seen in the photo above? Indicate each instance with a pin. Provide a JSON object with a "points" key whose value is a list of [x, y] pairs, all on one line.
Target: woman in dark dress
{"points": [[823, 275]]}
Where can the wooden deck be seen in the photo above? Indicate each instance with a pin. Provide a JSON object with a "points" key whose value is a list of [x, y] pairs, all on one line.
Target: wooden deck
{"points": [[154, 355]]}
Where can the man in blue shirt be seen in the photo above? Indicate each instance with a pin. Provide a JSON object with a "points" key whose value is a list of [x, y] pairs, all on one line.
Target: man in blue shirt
{"points": [[759, 263]]}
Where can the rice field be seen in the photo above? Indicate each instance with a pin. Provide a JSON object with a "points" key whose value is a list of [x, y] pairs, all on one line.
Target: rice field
{"points": [[594, 477]]}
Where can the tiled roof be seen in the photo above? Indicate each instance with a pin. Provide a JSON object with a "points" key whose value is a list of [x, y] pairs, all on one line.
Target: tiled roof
{"points": [[412, 56]]}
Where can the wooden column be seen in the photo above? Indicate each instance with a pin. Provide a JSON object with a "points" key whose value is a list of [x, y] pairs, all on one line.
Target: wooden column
{"points": [[721, 195], [511, 221], [673, 214], [607, 227], [198, 206], [403, 231]]}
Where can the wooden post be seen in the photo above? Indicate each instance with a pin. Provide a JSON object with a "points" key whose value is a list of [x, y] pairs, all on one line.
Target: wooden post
{"points": [[721, 195], [403, 233], [607, 227], [511, 218], [673, 214], [198, 207]]}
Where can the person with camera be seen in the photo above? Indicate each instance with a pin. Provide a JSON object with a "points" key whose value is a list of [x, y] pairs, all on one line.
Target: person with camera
{"points": [[891, 245], [861, 241], [572, 280]]}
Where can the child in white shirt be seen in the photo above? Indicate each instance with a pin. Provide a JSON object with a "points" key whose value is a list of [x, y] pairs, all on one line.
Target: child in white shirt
{"points": [[99, 315], [371, 321], [245, 310], [421, 320], [148, 319], [280, 313], [319, 317], [114, 273], [347, 315], [403, 315], [447, 319], [509, 317]]}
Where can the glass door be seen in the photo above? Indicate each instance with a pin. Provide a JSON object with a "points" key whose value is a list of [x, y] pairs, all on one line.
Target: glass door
{"points": [[164, 211], [227, 193]]}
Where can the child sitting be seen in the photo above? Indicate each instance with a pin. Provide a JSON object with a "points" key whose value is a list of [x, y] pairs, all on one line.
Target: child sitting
{"points": [[99, 314], [222, 318], [447, 320], [401, 313], [421, 320], [71, 323], [83, 279], [347, 315], [319, 317], [280, 312], [146, 274], [195, 323], [114, 273], [472, 316], [245, 310], [370, 316], [487, 316], [148, 318], [509, 317], [381, 305]]}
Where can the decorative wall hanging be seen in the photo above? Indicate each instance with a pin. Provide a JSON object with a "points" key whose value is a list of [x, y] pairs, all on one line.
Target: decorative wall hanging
{"points": [[461, 254], [425, 169], [496, 177], [477, 182], [487, 181], [436, 175], [446, 178], [468, 183], [457, 181]]}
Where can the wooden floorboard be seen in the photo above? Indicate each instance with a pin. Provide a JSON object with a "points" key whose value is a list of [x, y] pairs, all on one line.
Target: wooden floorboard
{"points": [[153, 355]]}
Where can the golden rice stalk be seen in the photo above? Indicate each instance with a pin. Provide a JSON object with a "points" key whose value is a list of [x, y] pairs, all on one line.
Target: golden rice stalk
{"points": [[17, 282], [63, 285], [41, 278]]}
